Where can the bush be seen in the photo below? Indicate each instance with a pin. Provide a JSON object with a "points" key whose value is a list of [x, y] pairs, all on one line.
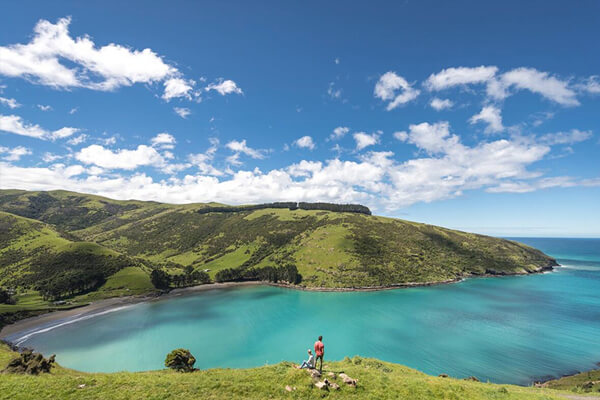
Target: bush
{"points": [[5, 297], [180, 360]]}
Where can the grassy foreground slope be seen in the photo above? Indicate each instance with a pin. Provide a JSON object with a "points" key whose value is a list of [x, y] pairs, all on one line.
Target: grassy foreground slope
{"points": [[376, 380], [330, 249]]}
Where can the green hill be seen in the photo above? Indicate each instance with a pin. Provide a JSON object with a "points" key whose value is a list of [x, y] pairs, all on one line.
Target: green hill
{"points": [[69, 246], [376, 380]]}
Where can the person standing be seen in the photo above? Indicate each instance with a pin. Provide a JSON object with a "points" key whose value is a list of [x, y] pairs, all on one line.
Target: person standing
{"points": [[319, 351]]}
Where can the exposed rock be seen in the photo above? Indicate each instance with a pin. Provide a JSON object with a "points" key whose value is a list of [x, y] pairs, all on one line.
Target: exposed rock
{"points": [[322, 385], [443, 375], [334, 386], [332, 375], [289, 388], [314, 373], [81, 386], [347, 380], [472, 378], [30, 363]]}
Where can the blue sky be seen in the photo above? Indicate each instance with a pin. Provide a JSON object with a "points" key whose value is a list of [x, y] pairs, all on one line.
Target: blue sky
{"points": [[482, 117]]}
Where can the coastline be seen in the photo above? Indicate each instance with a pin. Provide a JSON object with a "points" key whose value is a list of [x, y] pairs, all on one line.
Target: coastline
{"points": [[45, 320]]}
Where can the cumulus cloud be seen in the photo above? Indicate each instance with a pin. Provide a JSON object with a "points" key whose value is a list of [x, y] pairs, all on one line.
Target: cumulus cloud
{"points": [[15, 124], [77, 140], [100, 68], [542, 83], [339, 132], [120, 159], [44, 107], [363, 139], [450, 77], [15, 153], [54, 58], [163, 140], [10, 103], [395, 89], [499, 86], [305, 142], [440, 104], [241, 147], [224, 87], [182, 112], [491, 116], [570, 137], [178, 87], [203, 161], [447, 169]]}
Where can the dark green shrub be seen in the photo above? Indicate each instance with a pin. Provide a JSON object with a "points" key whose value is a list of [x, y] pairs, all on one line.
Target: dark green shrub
{"points": [[30, 363], [180, 360]]}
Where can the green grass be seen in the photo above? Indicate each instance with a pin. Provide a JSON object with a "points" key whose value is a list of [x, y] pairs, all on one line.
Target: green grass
{"points": [[585, 382], [376, 380]]}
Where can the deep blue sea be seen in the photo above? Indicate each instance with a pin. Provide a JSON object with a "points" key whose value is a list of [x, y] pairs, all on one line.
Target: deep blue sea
{"points": [[508, 329]]}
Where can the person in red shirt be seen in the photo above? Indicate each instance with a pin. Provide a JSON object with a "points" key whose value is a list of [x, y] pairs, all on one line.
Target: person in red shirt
{"points": [[319, 351]]}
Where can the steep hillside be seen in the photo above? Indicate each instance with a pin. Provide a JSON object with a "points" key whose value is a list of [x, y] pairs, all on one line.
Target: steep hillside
{"points": [[35, 256], [376, 380], [330, 249]]}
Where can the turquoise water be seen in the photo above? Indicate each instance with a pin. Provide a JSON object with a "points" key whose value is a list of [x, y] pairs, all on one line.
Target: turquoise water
{"points": [[510, 329]]}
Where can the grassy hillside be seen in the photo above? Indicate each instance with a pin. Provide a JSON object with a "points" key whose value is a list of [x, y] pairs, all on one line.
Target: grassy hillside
{"points": [[376, 380], [330, 249], [585, 382], [44, 265]]}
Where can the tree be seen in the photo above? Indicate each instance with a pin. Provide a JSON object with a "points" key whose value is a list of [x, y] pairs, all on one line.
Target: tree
{"points": [[160, 279], [5, 297], [180, 360]]}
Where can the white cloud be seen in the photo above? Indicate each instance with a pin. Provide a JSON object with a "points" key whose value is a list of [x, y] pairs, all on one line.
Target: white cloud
{"points": [[100, 68], [44, 107], [333, 92], [121, 159], [339, 132], [377, 179], [15, 124], [439, 104], [49, 157], [498, 86], [541, 83], [363, 139], [242, 147], [10, 103], [203, 161], [15, 153], [491, 116], [178, 87], [570, 137], [450, 77], [163, 140], [73, 110], [63, 133], [305, 142], [590, 85], [336, 60], [77, 140], [182, 112], [224, 87], [387, 87]]}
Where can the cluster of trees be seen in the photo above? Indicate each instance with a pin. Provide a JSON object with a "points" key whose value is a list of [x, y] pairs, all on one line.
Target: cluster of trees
{"points": [[5, 297], [70, 283], [163, 280], [70, 273], [354, 208], [285, 273]]}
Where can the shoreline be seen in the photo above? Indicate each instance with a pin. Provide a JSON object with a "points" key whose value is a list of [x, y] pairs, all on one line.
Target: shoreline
{"points": [[32, 324]]}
